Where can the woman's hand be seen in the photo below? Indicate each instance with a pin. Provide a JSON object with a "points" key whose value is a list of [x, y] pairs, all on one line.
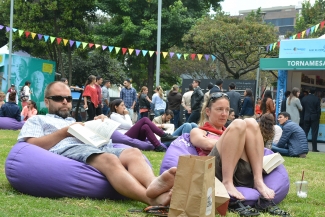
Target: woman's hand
{"points": [[85, 107], [102, 117], [125, 112]]}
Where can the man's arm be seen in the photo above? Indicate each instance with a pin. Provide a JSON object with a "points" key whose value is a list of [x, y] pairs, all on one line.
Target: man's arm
{"points": [[286, 133]]}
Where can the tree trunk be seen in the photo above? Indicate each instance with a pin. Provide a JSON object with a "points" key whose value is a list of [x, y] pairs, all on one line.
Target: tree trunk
{"points": [[151, 70]]}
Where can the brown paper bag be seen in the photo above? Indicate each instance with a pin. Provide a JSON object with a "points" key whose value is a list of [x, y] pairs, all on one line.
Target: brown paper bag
{"points": [[194, 187], [221, 198]]}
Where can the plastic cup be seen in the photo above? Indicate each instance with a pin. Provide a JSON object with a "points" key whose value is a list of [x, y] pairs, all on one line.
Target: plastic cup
{"points": [[302, 188]]}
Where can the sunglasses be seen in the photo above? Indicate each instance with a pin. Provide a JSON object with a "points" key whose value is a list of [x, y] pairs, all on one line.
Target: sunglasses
{"points": [[218, 95], [60, 98]]}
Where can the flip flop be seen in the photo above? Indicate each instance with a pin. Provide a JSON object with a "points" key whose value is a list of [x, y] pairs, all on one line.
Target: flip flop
{"points": [[153, 210], [266, 205], [242, 210]]}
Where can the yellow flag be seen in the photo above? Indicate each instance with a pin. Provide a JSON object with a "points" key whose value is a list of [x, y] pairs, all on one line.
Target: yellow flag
{"points": [[151, 52], [274, 45], [117, 49], [303, 34], [185, 56], [33, 35], [65, 41], [20, 32], [84, 44], [294, 36], [164, 54], [199, 56], [131, 51], [52, 39], [97, 45], [316, 27]]}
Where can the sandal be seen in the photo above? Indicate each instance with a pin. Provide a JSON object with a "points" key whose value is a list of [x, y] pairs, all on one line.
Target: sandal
{"points": [[269, 206], [153, 210], [242, 210]]}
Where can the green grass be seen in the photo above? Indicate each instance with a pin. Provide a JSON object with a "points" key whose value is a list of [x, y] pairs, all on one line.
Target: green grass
{"points": [[14, 203]]}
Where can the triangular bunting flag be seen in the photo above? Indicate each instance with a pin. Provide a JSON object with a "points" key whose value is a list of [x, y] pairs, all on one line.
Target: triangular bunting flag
{"points": [[179, 55], [267, 48], [33, 35], [274, 45], [104, 47], [58, 40], [278, 44], [131, 51], [185, 56], [171, 54], [1, 26], [97, 45], [52, 39], [294, 36], [7, 29], [193, 55], [117, 49], [312, 29], [27, 34], [213, 57], [206, 56], [307, 31], [110, 48], [137, 51], [46, 37], [90, 45], [199, 56], [78, 43], [303, 34], [84, 45], [40, 36], [322, 24], [14, 29], [157, 53], [65, 42], [316, 27], [20, 32], [124, 50], [298, 35], [271, 47], [144, 52], [71, 43], [151, 52], [164, 54], [290, 37]]}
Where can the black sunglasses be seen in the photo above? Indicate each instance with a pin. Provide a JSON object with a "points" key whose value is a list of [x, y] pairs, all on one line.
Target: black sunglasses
{"points": [[60, 98], [217, 95]]}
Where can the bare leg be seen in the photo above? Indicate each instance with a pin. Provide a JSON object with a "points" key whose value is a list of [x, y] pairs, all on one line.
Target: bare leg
{"points": [[254, 149], [230, 147]]}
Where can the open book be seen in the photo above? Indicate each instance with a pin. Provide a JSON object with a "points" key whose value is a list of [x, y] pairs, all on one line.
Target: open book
{"points": [[96, 132], [272, 161]]}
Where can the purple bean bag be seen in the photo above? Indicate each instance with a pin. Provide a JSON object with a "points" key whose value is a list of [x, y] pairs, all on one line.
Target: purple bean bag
{"points": [[10, 124], [118, 137], [278, 179], [35, 171]]}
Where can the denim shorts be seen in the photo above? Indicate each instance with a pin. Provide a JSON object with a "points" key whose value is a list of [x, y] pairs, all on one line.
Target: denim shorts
{"points": [[81, 152]]}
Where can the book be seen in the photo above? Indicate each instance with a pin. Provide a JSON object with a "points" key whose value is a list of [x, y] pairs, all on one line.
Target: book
{"points": [[96, 132], [272, 161]]}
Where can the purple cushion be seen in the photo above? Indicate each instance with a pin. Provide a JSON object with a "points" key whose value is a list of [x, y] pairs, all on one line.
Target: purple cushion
{"points": [[10, 124], [278, 179], [35, 171]]}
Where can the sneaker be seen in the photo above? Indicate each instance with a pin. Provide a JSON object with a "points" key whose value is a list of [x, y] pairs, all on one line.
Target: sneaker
{"points": [[302, 155], [167, 137], [160, 148]]}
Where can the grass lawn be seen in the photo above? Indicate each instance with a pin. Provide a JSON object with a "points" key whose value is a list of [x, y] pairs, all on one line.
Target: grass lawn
{"points": [[14, 203]]}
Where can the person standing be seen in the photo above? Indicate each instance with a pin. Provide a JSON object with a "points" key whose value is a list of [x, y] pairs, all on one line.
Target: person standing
{"points": [[99, 81], [293, 105], [258, 111], [105, 97], [247, 110], [312, 111], [25, 93], [12, 89], [207, 94], [196, 102], [174, 102], [90, 97], [267, 105], [186, 101], [144, 102], [284, 101], [158, 102], [217, 87], [235, 99], [129, 96]]}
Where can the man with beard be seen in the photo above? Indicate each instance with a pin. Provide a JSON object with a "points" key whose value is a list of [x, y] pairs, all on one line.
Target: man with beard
{"points": [[125, 169]]}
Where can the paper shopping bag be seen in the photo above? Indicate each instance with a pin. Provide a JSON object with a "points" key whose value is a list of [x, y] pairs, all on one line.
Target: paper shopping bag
{"points": [[193, 191], [221, 198]]}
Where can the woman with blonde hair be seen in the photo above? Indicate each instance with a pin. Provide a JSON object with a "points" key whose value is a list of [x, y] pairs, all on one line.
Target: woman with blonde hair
{"points": [[158, 101], [293, 105], [144, 102]]}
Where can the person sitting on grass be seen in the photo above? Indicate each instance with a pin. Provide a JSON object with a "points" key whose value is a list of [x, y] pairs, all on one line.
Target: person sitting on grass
{"points": [[271, 133], [10, 109], [29, 110], [238, 150], [125, 169], [231, 117], [293, 141], [143, 129]]}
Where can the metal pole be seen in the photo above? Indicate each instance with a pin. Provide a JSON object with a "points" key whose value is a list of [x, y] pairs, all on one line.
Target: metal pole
{"points": [[10, 42], [257, 83], [158, 43]]}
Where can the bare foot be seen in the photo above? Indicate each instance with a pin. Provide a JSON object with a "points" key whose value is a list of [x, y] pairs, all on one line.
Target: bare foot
{"points": [[232, 191], [163, 199], [162, 183], [266, 192]]}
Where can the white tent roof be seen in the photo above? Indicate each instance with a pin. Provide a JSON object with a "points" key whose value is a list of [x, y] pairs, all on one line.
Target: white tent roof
{"points": [[5, 50], [322, 37]]}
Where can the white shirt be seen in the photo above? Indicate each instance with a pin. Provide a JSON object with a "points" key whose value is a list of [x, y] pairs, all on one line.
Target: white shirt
{"points": [[277, 134], [124, 120]]}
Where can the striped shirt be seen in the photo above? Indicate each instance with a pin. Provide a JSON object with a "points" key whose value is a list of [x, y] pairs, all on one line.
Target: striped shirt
{"points": [[42, 125]]}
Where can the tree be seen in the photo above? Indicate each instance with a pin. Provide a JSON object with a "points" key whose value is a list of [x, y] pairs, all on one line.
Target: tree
{"points": [[133, 24], [60, 18], [238, 43]]}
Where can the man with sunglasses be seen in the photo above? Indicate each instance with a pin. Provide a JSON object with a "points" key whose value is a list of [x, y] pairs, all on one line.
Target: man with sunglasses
{"points": [[125, 169]]}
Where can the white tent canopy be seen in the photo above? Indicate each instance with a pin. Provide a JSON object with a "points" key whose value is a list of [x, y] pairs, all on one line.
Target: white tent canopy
{"points": [[5, 50]]}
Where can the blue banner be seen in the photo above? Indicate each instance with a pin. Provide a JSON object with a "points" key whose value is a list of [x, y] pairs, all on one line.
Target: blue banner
{"points": [[302, 48], [281, 89]]}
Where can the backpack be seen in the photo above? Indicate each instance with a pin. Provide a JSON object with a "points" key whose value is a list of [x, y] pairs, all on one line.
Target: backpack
{"points": [[22, 95]]}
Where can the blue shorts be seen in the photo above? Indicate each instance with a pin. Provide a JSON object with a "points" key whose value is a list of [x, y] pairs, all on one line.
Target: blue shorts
{"points": [[81, 152]]}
